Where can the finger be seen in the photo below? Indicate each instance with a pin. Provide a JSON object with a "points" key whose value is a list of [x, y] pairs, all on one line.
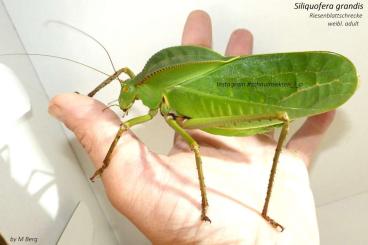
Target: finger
{"points": [[198, 29], [240, 43], [306, 140], [84, 117], [133, 180], [96, 128]]}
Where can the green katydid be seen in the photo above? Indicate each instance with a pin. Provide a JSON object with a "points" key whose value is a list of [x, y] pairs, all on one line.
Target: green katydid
{"points": [[197, 88]]}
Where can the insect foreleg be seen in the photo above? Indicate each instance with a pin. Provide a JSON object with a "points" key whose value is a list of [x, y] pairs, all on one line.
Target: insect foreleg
{"points": [[195, 148], [124, 126], [111, 78]]}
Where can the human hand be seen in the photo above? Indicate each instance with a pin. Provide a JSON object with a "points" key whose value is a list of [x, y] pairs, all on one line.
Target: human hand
{"points": [[160, 193]]}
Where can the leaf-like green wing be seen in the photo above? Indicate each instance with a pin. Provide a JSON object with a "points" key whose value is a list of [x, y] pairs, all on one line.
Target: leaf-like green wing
{"points": [[301, 84], [173, 56], [173, 66]]}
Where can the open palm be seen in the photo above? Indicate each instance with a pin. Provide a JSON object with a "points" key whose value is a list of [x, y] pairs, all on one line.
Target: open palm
{"points": [[160, 193]]}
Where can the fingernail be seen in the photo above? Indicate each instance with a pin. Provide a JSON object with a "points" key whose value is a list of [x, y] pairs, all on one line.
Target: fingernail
{"points": [[56, 111]]}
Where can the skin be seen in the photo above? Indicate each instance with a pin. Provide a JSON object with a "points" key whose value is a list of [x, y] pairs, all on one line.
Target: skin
{"points": [[160, 193]]}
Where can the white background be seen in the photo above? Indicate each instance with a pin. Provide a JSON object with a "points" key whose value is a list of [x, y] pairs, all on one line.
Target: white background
{"points": [[134, 30], [40, 179]]}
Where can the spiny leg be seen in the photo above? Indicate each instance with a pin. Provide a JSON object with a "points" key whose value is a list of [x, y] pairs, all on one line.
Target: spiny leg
{"points": [[231, 120], [195, 148], [285, 128], [124, 126], [111, 78]]}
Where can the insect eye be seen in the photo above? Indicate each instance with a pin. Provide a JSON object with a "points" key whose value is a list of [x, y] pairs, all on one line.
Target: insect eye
{"points": [[125, 89]]}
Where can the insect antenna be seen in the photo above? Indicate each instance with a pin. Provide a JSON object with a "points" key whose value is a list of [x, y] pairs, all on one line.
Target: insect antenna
{"points": [[70, 60], [109, 106], [87, 35], [112, 102], [56, 57]]}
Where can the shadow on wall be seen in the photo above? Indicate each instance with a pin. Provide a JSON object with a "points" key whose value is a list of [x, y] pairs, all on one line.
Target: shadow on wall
{"points": [[17, 206], [33, 170]]}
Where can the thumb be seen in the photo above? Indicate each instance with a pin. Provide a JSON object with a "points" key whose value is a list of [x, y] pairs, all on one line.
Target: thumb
{"points": [[93, 126], [306, 140], [95, 129]]}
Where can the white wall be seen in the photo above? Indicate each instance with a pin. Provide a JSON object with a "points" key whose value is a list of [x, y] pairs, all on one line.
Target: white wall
{"points": [[36, 159], [133, 30]]}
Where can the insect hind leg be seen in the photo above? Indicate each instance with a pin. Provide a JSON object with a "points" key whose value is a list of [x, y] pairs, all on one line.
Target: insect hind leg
{"points": [[201, 123], [285, 128]]}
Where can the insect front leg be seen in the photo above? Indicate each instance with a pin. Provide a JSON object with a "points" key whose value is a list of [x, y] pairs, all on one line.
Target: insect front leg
{"points": [[195, 148], [124, 126], [111, 78]]}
